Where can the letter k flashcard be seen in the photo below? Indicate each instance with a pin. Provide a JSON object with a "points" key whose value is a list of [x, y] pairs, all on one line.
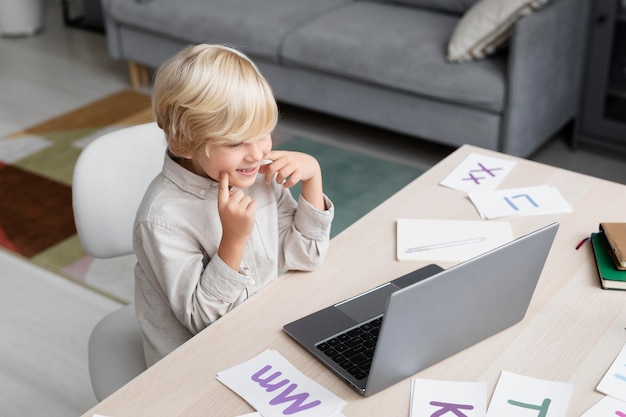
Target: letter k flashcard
{"points": [[435, 398]]}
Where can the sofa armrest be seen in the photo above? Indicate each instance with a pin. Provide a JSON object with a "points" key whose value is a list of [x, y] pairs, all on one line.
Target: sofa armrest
{"points": [[544, 71]]}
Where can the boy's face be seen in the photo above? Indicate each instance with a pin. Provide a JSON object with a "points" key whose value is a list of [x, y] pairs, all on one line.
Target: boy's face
{"points": [[241, 161]]}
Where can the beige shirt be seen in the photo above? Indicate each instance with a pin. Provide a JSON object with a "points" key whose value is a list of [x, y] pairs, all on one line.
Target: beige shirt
{"points": [[181, 284]]}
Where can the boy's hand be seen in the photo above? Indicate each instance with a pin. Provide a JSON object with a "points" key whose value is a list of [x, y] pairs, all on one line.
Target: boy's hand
{"points": [[291, 168], [237, 212]]}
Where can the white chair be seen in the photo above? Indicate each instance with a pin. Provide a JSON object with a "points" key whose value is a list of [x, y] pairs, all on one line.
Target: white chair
{"points": [[110, 178]]}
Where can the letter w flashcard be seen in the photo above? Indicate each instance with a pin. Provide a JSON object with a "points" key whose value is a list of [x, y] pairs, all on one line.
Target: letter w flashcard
{"points": [[275, 388]]}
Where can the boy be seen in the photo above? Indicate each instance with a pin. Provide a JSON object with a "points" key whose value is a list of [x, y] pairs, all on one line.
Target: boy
{"points": [[219, 220]]}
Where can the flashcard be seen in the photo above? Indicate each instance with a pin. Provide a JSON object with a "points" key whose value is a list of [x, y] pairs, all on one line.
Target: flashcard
{"points": [[614, 381], [478, 172], [257, 414], [436, 398], [522, 396], [527, 201], [608, 406], [448, 240], [275, 388]]}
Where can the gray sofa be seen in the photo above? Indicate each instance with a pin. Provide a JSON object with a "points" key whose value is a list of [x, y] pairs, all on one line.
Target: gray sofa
{"points": [[382, 63]]}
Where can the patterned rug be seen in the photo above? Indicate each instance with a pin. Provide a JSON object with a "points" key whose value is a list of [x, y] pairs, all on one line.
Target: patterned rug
{"points": [[36, 165]]}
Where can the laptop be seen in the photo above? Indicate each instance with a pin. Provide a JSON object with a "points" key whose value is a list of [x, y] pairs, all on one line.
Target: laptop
{"points": [[382, 336]]}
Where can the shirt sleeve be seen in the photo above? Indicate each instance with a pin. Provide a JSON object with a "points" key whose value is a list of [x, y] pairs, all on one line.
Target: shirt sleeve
{"points": [[304, 233], [198, 289]]}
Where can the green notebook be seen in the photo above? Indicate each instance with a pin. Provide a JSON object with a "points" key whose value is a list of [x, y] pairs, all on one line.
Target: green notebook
{"points": [[610, 277]]}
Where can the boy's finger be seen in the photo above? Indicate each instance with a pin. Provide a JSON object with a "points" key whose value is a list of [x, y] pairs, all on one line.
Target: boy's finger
{"points": [[224, 192], [273, 155]]}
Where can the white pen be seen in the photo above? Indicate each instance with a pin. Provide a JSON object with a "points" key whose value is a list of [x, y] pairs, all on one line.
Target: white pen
{"points": [[446, 244]]}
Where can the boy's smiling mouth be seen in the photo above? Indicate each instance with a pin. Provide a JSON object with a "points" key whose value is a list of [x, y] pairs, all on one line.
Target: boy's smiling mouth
{"points": [[248, 171]]}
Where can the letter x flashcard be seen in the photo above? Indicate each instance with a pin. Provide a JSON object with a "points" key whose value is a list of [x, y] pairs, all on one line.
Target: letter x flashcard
{"points": [[478, 173]]}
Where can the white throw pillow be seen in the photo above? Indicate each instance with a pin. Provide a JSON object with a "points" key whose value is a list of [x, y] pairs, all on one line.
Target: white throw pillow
{"points": [[486, 26]]}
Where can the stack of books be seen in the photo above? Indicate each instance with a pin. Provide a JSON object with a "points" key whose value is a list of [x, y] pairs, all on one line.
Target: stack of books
{"points": [[609, 248]]}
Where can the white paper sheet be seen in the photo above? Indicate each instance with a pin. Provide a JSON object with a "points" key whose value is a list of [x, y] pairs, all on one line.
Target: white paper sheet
{"points": [[527, 201], [447, 398], [478, 173], [608, 406], [275, 388], [614, 381], [448, 240], [523, 396]]}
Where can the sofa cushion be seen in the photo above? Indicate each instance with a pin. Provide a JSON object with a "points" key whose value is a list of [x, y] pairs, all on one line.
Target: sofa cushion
{"points": [[256, 27], [396, 47], [487, 26], [446, 6]]}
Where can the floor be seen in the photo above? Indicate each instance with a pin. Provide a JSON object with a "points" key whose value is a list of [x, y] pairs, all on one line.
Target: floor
{"points": [[47, 319]]}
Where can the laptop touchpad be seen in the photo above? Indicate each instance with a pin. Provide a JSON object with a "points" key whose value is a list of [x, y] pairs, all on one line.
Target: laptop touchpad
{"points": [[368, 305]]}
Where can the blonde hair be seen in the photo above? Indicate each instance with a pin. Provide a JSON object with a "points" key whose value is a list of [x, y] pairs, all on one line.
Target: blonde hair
{"points": [[210, 95]]}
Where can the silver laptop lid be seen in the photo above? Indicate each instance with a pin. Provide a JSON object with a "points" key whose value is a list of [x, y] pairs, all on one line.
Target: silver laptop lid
{"points": [[457, 308]]}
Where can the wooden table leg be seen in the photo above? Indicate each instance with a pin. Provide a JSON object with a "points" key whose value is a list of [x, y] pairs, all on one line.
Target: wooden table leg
{"points": [[139, 75]]}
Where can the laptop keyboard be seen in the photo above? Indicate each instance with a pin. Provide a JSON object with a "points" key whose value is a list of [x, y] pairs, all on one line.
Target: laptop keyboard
{"points": [[353, 350]]}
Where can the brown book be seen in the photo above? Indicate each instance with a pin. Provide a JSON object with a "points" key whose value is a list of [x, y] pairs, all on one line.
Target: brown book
{"points": [[616, 237]]}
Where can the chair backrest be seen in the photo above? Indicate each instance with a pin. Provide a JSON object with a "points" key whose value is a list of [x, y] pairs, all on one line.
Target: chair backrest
{"points": [[110, 178]]}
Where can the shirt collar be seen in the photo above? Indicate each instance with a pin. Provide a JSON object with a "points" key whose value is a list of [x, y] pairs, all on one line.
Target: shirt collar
{"points": [[186, 180]]}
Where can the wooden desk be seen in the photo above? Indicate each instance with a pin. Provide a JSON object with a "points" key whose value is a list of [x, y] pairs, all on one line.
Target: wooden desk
{"points": [[572, 332]]}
